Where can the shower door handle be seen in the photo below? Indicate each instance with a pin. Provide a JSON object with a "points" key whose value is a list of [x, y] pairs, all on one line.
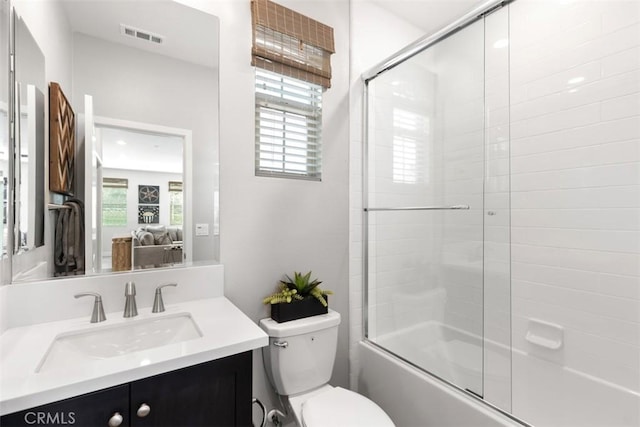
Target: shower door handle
{"points": [[420, 208]]}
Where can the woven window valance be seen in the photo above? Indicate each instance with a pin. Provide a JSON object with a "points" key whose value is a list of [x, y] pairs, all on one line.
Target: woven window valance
{"points": [[175, 186], [289, 43], [115, 182]]}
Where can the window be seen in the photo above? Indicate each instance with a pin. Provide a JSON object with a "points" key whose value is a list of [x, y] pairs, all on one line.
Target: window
{"points": [[114, 202], [288, 127], [175, 203], [292, 56]]}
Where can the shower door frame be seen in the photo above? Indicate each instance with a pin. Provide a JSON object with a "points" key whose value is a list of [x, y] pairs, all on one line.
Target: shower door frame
{"points": [[475, 15]]}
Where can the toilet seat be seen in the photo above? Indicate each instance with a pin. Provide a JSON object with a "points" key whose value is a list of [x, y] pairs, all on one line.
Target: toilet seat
{"points": [[343, 407]]}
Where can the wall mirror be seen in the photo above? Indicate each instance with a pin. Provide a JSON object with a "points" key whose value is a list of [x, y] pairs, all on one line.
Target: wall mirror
{"points": [[4, 132], [29, 141], [152, 64]]}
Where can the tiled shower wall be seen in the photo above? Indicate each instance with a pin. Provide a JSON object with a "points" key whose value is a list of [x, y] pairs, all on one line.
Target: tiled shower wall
{"points": [[575, 199]]}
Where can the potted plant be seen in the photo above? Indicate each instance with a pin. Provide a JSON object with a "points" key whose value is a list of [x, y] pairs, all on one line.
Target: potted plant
{"points": [[298, 298]]}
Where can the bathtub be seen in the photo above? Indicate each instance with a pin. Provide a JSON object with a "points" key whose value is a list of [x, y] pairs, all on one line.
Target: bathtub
{"points": [[413, 398], [543, 393]]}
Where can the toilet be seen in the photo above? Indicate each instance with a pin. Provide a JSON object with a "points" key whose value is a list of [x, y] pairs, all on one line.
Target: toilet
{"points": [[299, 361]]}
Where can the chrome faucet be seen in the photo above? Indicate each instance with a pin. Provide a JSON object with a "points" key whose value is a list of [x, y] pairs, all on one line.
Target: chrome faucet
{"points": [[130, 308], [158, 303], [98, 311]]}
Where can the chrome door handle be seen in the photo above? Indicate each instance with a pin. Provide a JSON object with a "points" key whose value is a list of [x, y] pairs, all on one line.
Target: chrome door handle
{"points": [[143, 410], [281, 344], [115, 420]]}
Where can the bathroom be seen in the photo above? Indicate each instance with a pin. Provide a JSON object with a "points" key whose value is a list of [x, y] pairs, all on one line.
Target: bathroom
{"points": [[578, 270]]}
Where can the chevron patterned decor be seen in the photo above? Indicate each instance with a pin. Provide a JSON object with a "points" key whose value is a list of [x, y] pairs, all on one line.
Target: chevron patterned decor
{"points": [[62, 141]]}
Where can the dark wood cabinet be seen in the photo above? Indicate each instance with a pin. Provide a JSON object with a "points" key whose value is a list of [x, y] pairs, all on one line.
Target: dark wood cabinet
{"points": [[211, 394]]}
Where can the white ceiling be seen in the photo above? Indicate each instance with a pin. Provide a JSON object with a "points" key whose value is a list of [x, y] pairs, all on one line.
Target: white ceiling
{"points": [[428, 15], [189, 34], [141, 151]]}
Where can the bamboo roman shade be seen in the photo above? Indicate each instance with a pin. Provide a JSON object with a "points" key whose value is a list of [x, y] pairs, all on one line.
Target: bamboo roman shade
{"points": [[175, 186], [115, 182], [291, 44]]}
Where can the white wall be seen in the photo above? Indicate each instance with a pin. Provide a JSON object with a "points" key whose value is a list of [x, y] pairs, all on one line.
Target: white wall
{"points": [[575, 198], [158, 90], [136, 178], [272, 226]]}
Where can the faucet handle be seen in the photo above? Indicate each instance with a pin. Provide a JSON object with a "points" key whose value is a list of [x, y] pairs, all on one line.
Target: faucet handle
{"points": [[98, 311], [129, 289], [158, 303]]}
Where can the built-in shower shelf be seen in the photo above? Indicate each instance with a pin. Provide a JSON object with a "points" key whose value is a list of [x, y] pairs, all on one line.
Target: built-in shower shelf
{"points": [[545, 334]]}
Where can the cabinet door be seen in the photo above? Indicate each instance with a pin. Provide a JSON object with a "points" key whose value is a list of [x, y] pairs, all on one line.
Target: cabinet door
{"points": [[211, 394], [89, 410]]}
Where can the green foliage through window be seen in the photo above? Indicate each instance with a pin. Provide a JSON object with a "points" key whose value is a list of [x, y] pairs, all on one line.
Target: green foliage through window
{"points": [[114, 207], [175, 207]]}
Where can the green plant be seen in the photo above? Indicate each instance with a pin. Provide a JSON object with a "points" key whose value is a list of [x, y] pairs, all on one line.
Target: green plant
{"points": [[298, 288]]}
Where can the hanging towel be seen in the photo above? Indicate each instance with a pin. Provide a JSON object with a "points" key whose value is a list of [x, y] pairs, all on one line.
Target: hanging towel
{"points": [[69, 235]]}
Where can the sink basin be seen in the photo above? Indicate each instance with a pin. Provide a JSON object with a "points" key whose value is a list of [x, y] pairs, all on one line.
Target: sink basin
{"points": [[71, 348]]}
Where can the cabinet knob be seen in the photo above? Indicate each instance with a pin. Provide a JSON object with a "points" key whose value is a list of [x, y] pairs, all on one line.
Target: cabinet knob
{"points": [[143, 410], [115, 420]]}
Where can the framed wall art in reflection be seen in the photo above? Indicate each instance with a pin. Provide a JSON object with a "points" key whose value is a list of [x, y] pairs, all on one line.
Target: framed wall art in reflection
{"points": [[148, 214], [62, 141], [149, 194]]}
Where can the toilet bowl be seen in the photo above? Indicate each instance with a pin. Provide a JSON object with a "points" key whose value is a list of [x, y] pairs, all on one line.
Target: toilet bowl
{"points": [[299, 362]]}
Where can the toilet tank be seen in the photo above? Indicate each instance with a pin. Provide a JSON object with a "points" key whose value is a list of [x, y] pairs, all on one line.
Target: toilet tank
{"points": [[301, 352]]}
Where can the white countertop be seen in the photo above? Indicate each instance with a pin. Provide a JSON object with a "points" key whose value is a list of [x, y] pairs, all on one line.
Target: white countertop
{"points": [[225, 331]]}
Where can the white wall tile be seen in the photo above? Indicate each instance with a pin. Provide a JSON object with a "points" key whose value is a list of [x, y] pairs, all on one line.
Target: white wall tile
{"points": [[575, 194]]}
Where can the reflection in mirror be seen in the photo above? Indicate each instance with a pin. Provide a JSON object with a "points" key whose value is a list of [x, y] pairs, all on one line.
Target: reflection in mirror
{"points": [[150, 62], [140, 205], [27, 182], [4, 128], [29, 168], [4, 177]]}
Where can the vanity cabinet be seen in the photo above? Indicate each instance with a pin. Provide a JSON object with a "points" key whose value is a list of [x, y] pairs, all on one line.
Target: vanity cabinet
{"points": [[216, 393]]}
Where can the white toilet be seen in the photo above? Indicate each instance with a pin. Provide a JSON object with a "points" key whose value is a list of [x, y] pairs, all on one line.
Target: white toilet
{"points": [[299, 361]]}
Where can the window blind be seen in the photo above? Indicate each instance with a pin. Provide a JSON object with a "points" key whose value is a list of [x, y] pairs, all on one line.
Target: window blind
{"points": [[288, 119], [289, 43]]}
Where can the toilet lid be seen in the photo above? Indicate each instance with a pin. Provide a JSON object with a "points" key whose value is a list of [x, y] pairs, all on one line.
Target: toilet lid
{"points": [[340, 407]]}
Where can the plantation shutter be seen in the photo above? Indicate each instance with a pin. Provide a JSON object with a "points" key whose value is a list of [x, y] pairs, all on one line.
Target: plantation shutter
{"points": [[289, 43], [288, 127]]}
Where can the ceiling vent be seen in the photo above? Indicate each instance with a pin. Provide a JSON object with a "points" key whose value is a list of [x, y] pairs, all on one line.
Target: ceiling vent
{"points": [[136, 33]]}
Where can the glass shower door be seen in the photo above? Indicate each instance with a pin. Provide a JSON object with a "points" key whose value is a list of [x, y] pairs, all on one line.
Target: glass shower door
{"points": [[424, 209]]}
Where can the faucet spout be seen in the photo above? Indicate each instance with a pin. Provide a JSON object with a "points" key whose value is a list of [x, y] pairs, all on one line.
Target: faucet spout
{"points": [[130, 308]]}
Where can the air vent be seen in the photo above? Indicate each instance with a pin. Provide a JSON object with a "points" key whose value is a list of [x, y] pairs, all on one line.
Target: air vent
{"points": [[129, 31]]}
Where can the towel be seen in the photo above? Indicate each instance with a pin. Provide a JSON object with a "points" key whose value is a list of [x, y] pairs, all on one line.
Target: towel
{"points": [[69, 236]]}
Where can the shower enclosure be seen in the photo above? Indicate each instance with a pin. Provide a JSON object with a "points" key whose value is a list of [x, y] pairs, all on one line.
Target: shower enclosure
{"points": [[501, 209]]}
